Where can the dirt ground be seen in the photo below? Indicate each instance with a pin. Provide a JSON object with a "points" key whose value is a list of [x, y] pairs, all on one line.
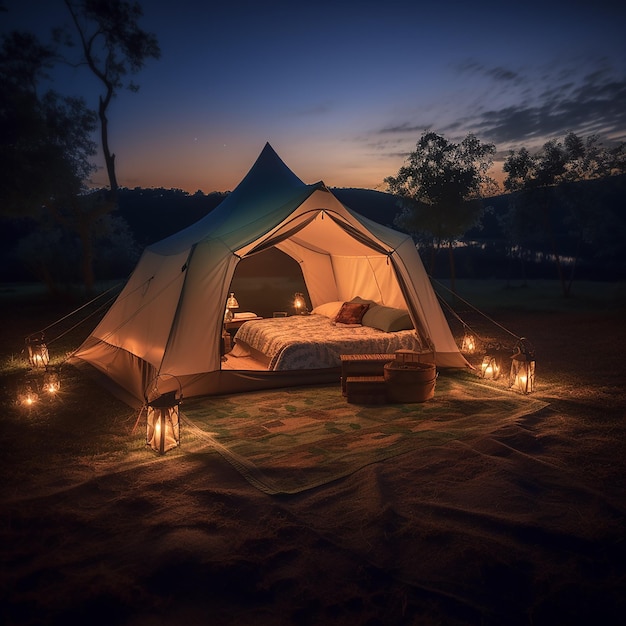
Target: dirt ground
{"points": [[524, 527]]}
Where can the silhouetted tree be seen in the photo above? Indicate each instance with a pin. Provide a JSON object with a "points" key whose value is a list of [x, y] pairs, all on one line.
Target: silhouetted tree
{"points": [[45, 152], [547, 201], [441, 189], [113, 46]]}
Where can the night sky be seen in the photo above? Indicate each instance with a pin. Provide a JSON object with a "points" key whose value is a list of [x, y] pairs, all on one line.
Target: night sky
{"points": [[343, 90]]}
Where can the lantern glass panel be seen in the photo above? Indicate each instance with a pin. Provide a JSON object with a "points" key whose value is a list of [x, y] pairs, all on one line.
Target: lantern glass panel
{"points": [[468, 344], [163, 430], [522, 376], [163, 422], [38, 355], [491, 367]]}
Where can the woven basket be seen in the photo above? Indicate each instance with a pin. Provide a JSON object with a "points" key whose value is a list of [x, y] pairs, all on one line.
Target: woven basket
{"points": [[410, 381]]}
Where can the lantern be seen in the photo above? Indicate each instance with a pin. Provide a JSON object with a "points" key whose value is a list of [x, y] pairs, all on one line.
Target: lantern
{"points": [[522, 376], [27, 395], [491, 367], [38, 355], [231, 304], [51, 382], [163, 419], [299, 304], [468, 345]]}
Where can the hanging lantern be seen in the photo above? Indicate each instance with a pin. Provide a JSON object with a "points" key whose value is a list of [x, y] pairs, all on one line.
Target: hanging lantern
{"points": [[51, 382], [299, 304], [468, 345], [163, 419], [522, 376], [38, 355]]}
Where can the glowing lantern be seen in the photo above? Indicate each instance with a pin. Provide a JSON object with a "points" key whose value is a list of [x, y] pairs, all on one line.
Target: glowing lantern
{"points": [[163, 420], [27, 397], [468, 345], [491, 367], [51, 382], [522, 376], [38, 355], [299, 304]]}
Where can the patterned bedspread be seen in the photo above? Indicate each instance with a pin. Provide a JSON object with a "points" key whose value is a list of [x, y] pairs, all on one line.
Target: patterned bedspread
{"points": [[314, 342]]}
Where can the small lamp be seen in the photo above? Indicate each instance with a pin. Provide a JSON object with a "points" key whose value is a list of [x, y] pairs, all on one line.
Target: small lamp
{"points": [[231, 303], [522, 376], [163, 419], [38, 355], [299, 304]]}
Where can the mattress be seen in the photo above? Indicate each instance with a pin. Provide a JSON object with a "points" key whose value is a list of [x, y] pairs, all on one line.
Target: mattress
{"points": [[315, 341]]}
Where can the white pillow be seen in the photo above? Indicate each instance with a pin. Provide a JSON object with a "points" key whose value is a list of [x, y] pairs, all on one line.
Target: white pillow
{"points": [[329, 309]]}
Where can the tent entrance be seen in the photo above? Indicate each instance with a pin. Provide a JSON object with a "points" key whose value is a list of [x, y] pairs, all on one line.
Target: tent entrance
{"points": [[266, 282]]}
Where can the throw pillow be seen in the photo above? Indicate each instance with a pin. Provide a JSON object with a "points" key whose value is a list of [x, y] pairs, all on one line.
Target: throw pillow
{"points": [[351, 313]]}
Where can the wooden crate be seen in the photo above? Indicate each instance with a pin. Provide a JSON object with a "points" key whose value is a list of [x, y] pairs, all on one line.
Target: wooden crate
{"points": [[362, 365], [366, 390], [412, 356]]}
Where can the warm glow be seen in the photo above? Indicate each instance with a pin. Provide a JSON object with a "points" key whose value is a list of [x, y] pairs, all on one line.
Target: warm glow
{"points": [[163, 428], [51, 383], [27, 398], [299, 303], [469, 344], [522, 375], [490, 368], [38, 355]]}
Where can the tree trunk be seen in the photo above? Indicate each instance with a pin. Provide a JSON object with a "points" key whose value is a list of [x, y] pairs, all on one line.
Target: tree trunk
{"points": [[109, 158]]}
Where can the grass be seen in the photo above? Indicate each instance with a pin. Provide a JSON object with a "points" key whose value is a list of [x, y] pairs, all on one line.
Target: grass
{"points": [[537, 295], [533, 514]]}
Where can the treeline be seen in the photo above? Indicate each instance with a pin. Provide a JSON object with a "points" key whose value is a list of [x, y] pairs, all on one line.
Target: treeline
{"points": [[145, 216]]}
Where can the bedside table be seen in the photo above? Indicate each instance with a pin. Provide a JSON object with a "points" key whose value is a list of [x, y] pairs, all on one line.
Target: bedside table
{"points": [[234, 324]]}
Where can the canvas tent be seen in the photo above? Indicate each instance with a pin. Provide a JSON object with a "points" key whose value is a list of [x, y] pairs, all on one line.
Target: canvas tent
{"points": [[168, 318]]}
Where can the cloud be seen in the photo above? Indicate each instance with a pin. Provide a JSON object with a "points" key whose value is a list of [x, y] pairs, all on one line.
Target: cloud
{"points": [[498, 73], [515, 108], [596, 106]]}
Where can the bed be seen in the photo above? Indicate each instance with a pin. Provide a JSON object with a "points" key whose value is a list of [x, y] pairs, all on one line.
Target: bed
{"points": [[318, 340]]}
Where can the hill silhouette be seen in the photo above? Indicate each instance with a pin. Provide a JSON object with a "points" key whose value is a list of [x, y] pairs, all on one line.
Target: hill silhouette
{"points": [[155, 213]]}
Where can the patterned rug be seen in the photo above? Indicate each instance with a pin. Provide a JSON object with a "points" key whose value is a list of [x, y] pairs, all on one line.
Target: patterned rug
{"points": [[288, 440]]}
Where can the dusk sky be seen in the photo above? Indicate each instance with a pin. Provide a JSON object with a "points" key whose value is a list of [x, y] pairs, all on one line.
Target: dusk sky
{"points": [[343, 90]]}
